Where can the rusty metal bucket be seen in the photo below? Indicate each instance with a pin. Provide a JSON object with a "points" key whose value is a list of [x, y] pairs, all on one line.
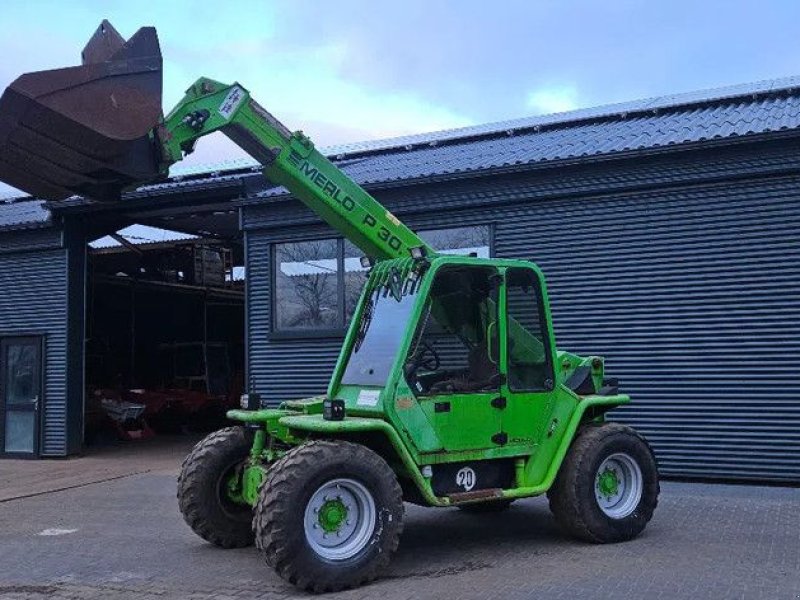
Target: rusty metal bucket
{"points": [[85, 130]]}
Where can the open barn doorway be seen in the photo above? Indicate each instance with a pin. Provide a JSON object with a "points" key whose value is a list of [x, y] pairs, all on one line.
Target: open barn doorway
{"points": [[164, 333]]}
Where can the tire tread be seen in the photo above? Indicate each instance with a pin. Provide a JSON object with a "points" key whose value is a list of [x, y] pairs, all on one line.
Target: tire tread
{"points": [[564, 496], [272, 514], [193, 487]]}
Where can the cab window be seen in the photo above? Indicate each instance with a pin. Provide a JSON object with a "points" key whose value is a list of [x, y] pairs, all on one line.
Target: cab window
{"points": [[455, 349], [529, 362]]}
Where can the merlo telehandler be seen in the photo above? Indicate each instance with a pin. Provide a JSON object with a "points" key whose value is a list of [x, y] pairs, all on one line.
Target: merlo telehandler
{"points": [[449, 390]]}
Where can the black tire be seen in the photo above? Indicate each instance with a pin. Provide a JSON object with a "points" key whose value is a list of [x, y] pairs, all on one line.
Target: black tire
{"points": [[280, 515], [482, 508], [201, 494], [572, 497]]}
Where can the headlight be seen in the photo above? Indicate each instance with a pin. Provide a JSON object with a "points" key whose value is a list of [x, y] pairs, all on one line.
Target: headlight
{"points": [[250, 401]]}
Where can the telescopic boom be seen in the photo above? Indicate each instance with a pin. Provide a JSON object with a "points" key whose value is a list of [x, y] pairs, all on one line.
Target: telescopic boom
{"points": [[289, 159]]}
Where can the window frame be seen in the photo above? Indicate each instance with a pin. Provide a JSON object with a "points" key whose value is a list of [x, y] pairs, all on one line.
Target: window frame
{"points": [[322, 332], [339, 331], [546, 335], [439, 333]]}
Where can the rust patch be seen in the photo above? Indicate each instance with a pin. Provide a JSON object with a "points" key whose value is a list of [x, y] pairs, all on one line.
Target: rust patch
{"points": [[404, 402], [85, 130], [491, 493]]}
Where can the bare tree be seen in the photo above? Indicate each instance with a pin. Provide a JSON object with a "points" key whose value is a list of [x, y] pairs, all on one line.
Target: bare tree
{"points": [[308, 289]]}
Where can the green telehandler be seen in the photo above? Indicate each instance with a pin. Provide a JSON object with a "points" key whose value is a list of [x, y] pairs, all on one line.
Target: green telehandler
{"points": [[449, 390]]}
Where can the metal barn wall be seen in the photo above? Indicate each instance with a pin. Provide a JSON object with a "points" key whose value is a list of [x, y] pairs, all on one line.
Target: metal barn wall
{"points": [[33, 301], [692, 295], [681, 271], [75, 243], [289, 368]]}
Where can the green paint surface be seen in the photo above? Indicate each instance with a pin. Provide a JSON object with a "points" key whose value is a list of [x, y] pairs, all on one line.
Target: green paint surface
{"points": [[608, 483], [332, 515], [416, 428]]}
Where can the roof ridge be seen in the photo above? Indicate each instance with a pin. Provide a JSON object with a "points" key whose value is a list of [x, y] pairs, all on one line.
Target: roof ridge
{"points": [[700, 97], [603, 111], [620, 111]]}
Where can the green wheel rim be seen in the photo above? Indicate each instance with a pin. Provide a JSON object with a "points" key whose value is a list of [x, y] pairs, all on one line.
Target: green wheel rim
{"points": [[618, 485], [340, 519]]}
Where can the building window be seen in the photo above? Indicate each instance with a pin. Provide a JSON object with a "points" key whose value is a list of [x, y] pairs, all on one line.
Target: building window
{"points": [[354, 278], [318, 283], [307, 285], [459, 240]]}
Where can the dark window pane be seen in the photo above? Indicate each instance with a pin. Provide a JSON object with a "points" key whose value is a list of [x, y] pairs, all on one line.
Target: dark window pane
{"points": [[528, 355], [20, 428], [307, 294], [383, 324], [21, 374], [459, 240], [354, 278], [455, 349], [307, 287]]}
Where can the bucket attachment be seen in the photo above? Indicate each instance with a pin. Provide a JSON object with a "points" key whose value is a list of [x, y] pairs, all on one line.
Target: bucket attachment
{"points": [[85, 130]]}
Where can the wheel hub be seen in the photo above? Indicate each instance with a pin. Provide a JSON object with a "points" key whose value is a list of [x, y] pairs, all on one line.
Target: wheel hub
{"points": [[332, 515], [608, 483], [619, 485], [340, 518]]}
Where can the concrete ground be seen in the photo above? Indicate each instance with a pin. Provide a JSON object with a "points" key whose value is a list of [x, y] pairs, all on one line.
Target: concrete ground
{"points": [[122, 537], [22, 478]]}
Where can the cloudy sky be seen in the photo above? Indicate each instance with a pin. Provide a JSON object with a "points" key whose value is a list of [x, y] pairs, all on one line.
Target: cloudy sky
{"points": [[354, 70]]}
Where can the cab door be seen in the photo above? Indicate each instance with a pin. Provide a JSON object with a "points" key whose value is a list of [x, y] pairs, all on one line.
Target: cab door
{"points": [[454, 359], [527, 359]]}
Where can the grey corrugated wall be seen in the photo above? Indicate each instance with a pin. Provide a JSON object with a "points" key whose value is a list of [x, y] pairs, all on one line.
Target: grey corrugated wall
{"points": [[33, 301], [290, 368], [689, 288], [693, 297]]}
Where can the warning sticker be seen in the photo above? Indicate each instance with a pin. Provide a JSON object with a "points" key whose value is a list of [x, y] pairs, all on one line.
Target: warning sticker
{"points": [[231, 102], [368, 397]]}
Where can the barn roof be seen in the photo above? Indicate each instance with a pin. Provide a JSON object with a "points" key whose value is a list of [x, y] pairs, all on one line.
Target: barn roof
{"points": [[727, 113]]}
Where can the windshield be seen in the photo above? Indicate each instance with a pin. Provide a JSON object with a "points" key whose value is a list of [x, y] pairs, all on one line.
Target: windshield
{"points": [[384, 322]]}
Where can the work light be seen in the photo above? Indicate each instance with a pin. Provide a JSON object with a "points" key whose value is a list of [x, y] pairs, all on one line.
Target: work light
{"points": [[250, 401], [418, 252]]}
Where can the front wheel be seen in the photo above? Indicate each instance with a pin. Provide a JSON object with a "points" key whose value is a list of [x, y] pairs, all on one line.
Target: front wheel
{"points": [[329, 516], [203, 495], [607, 488]]}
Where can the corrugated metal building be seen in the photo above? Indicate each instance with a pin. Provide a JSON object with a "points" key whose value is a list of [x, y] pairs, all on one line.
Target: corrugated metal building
{"points": [[666, 227]]}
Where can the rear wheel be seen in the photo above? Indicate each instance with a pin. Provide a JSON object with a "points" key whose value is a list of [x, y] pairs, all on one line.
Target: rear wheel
{"points": [[329, 516], [203, 495], [607, 488]]}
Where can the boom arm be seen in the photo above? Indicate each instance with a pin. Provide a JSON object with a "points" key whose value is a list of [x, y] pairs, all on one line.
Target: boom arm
{"points": [[289, 159]]}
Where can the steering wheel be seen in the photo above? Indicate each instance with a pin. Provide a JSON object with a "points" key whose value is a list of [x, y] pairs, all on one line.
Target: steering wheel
{"points": [[427, 357]]}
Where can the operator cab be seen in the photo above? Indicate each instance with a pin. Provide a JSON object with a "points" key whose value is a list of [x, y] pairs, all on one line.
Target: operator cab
{"points": [[456, 345], [469, 341]]}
